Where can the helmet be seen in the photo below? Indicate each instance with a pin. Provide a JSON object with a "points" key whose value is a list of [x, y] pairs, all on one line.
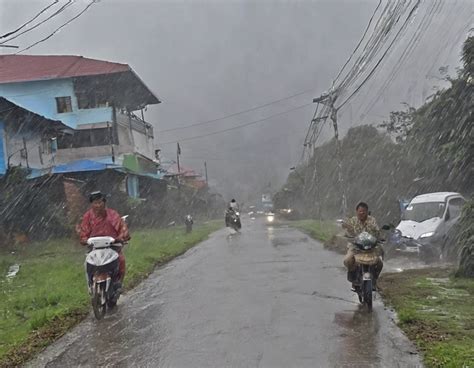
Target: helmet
{"points": [[96, 195], [365, 240], [233, 200]]}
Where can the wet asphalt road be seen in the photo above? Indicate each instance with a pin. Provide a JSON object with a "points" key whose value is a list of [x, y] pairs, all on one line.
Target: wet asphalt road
{"points": [[268, 297]]}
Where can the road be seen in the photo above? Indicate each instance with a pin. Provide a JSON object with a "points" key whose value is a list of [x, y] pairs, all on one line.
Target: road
{"points": [[268, 297]]}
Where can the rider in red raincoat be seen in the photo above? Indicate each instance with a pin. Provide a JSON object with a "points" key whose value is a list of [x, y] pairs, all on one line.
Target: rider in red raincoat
{"points": [[102, 221]]}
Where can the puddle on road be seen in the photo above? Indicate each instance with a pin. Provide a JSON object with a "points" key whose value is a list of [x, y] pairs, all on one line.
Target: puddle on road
{"points": [[281, 241], [359, 339]]}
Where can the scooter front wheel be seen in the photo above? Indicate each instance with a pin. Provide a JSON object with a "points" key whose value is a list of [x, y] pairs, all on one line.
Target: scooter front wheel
{"points": [[98, 307], [368, 294]]}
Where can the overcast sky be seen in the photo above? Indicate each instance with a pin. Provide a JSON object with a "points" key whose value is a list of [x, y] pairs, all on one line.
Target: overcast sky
{"points": [[207, 59]]}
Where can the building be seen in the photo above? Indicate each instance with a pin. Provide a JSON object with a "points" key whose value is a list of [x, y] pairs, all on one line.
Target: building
{"points": [[98, 100], [27, 139]]}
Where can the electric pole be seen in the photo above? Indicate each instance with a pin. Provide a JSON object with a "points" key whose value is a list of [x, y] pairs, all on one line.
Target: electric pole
{"points": [[329, 100]]}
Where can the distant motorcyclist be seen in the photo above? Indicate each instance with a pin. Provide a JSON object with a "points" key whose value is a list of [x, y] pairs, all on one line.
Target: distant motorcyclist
{"points": [[102, 221], [188, 221], [234, 205], [354, 226], [232, 211]]}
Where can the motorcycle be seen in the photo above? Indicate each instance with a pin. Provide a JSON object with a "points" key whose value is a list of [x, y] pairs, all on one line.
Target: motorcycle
{"points": [[232, 220], [366, 258], [102, 267], [189, 223]]}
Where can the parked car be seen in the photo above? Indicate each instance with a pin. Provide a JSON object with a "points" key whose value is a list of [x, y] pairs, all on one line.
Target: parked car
{"points": [[426, 220]]}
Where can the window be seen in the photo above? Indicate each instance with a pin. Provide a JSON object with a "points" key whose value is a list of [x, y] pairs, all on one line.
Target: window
{"points": [[86, 138], [455, 207], [420, 212], [90, 100], [63, 104]]}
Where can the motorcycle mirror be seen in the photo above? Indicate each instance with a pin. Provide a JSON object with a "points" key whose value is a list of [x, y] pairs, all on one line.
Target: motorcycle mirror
{"points": [[386, 227]]}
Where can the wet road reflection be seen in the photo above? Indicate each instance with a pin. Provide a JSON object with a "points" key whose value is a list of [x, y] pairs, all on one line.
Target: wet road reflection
{"points": [[267, 297]]}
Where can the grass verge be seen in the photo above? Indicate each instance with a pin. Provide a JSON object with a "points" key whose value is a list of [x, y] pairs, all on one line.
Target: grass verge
{"points": [[324, 231], [49, 295], [436, 311]]}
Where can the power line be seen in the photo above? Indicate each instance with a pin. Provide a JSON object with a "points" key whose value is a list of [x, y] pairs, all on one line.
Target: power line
{"points": [[360, 42], [57, 12], [60, 27], [383, 55], [238, 113], [238, 126], [29, 21]]}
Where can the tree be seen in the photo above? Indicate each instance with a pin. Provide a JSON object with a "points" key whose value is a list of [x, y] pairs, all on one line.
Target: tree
{"points": [[468, 57], [400, 123]]}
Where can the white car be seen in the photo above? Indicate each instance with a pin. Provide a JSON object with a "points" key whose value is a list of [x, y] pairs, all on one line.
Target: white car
{"points": [[428, 217]]}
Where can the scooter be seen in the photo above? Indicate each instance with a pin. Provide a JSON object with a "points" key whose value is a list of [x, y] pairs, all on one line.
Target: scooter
{"points": [[189, 223], [366, 258], [232, 220], [102, 267]]}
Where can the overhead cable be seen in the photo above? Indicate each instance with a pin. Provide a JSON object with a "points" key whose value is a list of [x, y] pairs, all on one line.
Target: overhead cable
{"points": [[238, 126], [383, 55], [31, 20], [238, 113], [57, 12], [59, 28]]}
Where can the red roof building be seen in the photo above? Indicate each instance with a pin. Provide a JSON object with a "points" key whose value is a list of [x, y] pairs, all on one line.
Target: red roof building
{"points": [[26, 68]]}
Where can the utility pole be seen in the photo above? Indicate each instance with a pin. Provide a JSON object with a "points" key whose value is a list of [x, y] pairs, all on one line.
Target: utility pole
{"points": [[329, 100], [178, 153], [205, 170]]}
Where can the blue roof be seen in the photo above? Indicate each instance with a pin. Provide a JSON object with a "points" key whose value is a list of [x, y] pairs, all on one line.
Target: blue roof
{"points": [[97, 164], [74, 166]]}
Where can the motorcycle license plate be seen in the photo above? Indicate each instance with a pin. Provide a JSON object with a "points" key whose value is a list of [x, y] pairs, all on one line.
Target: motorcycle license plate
{"points": [[366, 276]]}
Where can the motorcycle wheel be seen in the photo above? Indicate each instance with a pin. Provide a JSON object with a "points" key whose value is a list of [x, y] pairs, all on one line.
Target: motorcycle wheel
{"points": [[368, 294], [97, 306]]}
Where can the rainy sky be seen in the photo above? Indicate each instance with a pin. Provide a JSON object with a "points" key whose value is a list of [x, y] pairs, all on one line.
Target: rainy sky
{"points": [[210, 59]]}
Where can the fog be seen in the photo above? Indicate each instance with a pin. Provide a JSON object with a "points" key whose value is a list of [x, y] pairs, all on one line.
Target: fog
{"points": [[209, 59]]}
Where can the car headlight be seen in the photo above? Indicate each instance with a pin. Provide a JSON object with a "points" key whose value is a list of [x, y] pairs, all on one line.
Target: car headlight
{"points": [[270, 218], [427, 235]]}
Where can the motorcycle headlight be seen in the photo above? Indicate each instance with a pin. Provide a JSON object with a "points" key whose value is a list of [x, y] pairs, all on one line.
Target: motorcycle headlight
{"points": [[427, 235], [270, 218]]}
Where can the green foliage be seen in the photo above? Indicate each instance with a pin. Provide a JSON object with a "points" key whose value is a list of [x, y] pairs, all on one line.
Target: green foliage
{"points": [[464, 245], [435, 152], [436, 312], [318, 230], [468, 57], [400, 123]]}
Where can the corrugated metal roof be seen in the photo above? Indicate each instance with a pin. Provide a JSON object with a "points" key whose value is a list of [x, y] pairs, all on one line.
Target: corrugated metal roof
{"points": [[25, 68], [94, 164]]}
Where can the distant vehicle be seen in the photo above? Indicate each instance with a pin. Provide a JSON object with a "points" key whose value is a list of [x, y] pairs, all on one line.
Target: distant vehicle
{"points": [[288, 213], [267, 203], [426, 220], [269, 218]]}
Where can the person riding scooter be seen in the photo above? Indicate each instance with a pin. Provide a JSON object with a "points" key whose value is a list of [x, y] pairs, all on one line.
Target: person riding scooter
{"points": [[102, 221], [188, 221], [232, 215], [355, 226]]}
